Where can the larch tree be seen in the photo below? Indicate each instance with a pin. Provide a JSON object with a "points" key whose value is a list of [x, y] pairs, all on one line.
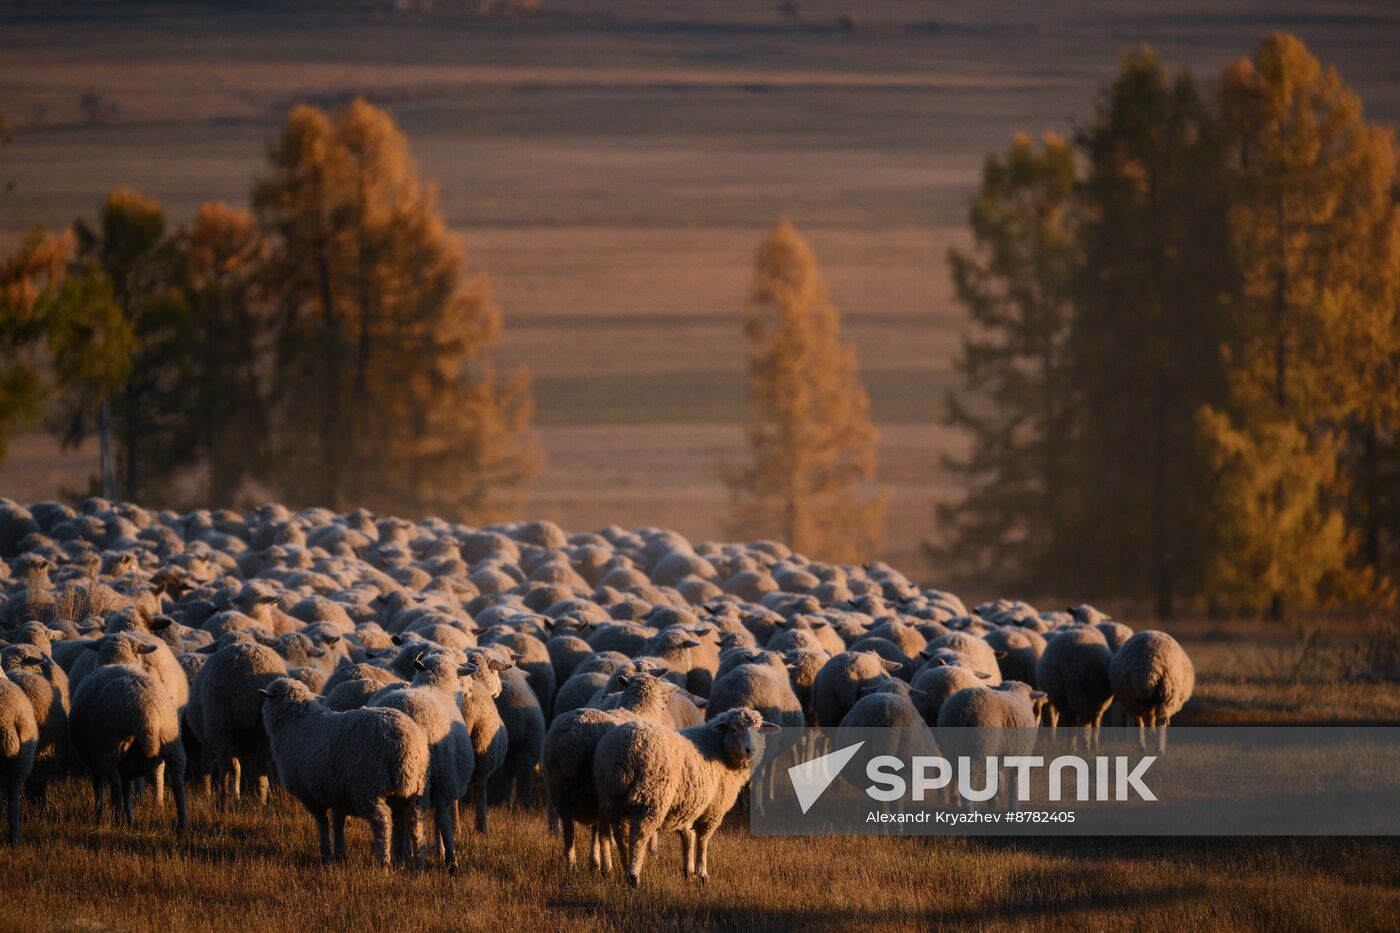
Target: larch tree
{"points": [[811, 479], [1016, 286], [1306, 196], [223, 252], [384, 391], [28, 278], [1144, 353]]}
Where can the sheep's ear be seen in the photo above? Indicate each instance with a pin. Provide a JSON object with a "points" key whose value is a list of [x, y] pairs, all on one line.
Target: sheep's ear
{"points": [[332, 640], [999, 654], [700, 702], [466, 670], [207, 649], [1038, 694], [155, 586], [498, 665], [93, 645], [265, 641], [32, 661], [267, 599], [56, 634], [264, 694], [396, 639], [145, 648], [418, 664], [548, 625], [659, 671], [316, 652], [983, 675], [161, 622], [623, 679], [890, 665], [769, 727], [517, 656], [690, 643]]}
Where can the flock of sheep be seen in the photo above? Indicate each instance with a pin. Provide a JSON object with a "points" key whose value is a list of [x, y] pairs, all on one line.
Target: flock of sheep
{"points": [[390, 670]]}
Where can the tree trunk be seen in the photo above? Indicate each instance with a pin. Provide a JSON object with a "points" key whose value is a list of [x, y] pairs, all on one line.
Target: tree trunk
{"points": [[104, 430]]}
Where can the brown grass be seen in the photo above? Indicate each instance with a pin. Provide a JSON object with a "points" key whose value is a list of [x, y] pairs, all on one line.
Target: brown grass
{"points": [[253, 868], [248, 868]]}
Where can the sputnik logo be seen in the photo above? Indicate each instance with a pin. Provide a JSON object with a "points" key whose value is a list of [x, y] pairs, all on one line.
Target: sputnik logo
{"points": [[811, 778]]}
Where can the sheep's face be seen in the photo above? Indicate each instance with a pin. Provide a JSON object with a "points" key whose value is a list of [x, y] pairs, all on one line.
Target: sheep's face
{"points": [[740, 729], [24, 657]]}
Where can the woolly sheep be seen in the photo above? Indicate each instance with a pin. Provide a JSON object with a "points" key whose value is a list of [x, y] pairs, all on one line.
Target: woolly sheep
{"points": [[936, 683], [981, 657], [524, 719], [803, 666], [1152, 678], [567, 757], [1019, 652], [1074, 673], [124, 726], [760, 687], [490, 742], [40, 678], [578, 690], [839, 683], [19, 744], [431, 702], [368, 763], [650, 778], [225, 713]]}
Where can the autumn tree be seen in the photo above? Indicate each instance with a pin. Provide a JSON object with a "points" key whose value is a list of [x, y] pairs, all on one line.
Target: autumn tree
{"points": [[1310, 185], [1145, 350], [383, 391], [1016, 287], [226, 343], [27, 281], [811, 479]]}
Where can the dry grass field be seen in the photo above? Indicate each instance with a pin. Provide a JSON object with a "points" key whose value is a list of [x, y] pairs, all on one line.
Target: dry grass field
{"points": [[252, 868]]}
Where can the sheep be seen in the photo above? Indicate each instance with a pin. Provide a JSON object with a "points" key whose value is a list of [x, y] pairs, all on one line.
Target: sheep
{"points": [[490, 742], [990, 722], [19, 744], [369, 763], [1115, 633], [803, 665], [1152, 678], [937, 682], [893, 704], [224, 714], [39, 677], [431, 702], [1019, 652], [650, 778], [979, 655], [578, 691], [760, 687], [124, 726], [532, 657], [524, 719], [838, 684], [567, 757], [1074, 673]]}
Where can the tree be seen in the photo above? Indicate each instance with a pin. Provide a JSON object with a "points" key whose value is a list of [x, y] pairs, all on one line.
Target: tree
{"points": [[1016, 286], [130, 247], [1144, 354], [27, 279], [1308, 191], [223, 252], [811, 478], [384, 392]]}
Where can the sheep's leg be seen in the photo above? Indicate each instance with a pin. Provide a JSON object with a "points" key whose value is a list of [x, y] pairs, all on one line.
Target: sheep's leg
{"points": [[158, 778], [479, 797], [687, 852], [524, 786], [261, 783], [553, 817], [233, 786], [1142, 732], [1162, 734], [323, 831], [381, 826], [177, 787], [702, 853], [16, 792], [566, 824], [97, 788], [605, 851], [128, 793], [638, 843], [338, 827], [447, 829]]}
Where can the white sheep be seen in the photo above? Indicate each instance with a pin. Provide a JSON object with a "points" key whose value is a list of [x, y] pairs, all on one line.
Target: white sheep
{"points": [[369, 763], [1073, 672], [36, 674], [225, 713], [19, 744], [650, 778], [124, 726], [1152, 679], [840, 682]]}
